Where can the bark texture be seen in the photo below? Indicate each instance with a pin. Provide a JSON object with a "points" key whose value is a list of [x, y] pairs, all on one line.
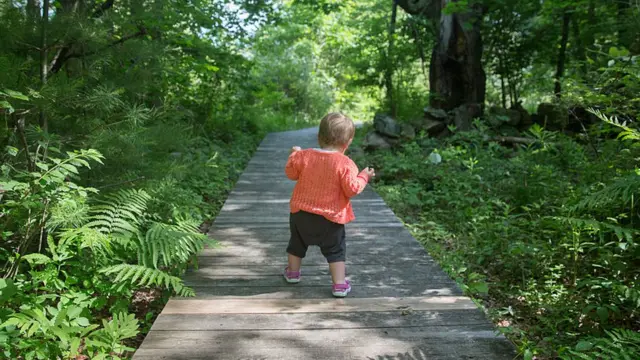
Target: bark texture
{"points": [[456, 74]]}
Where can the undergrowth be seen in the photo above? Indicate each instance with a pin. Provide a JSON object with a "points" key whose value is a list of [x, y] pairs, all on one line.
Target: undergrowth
{"points": [[544, 235]]}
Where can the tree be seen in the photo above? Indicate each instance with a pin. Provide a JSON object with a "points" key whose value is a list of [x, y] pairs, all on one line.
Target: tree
{"points": [[456, 74]]}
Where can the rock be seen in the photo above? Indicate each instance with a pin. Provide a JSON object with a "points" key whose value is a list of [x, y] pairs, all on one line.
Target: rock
{"points": [[355, 152], [407, 131], [500, 116], [433, 127], [525, 118], [464, 115], [386, 125], [175, 155], [552, 116], [375, 141], [435, 114]]}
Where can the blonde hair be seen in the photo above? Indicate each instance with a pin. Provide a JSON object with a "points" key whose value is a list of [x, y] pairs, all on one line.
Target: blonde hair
{"points": [[336, 129]]}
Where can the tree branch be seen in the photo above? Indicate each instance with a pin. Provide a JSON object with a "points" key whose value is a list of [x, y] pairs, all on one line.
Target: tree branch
{"points": [[141, 32], [428, 8], [63, 55], [101, 10]]}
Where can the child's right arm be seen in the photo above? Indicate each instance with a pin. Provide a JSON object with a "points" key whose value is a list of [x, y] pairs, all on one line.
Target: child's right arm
{"points": [[292, 169]]}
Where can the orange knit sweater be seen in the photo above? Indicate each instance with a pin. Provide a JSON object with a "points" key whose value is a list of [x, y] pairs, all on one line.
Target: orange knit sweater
{"points": [[325, 183]]}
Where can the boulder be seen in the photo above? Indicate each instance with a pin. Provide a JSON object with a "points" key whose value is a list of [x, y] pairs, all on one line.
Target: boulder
{"points": [[463, 116], [525, 119], [386, 125], [375, 141], [435, 114], [501, 116], [407, 131], [433, 127], [552, 116]]}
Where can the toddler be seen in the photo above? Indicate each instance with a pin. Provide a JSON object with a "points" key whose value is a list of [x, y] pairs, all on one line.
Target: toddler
{"points": [[320, 204]]}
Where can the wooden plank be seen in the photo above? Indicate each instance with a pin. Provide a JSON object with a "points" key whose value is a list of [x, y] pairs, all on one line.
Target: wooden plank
{"points": [[277, 250], [208, 277], [315, 321], [486, 350], [439, 342], [400, 271], [301, 291], [314, 258], [354, 232], [271, 306]]}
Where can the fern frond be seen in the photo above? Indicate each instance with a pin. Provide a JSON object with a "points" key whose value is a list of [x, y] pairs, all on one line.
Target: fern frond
{"points": [[621, 192], [594, 225], [619, 344], [119, 213], [166, 245], [148, 277], [627, 133]]}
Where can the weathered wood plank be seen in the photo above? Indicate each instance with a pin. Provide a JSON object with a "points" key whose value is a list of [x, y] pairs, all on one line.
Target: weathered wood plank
{"points": [[277, 250], [312, 258], [320, 320], [270, 306], [420, 272], [209, 277], [434, 343], [322, 292]]}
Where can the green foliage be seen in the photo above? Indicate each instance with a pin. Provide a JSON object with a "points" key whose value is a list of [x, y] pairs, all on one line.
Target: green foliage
{"points": [[619, 344], [546, 233]]}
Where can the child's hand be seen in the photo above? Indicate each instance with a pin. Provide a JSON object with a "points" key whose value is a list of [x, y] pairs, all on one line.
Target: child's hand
{"points": [[294, 149], [370, 172]]}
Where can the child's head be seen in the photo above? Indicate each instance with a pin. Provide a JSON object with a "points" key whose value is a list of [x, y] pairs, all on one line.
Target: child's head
{"points": [[336, 131]]}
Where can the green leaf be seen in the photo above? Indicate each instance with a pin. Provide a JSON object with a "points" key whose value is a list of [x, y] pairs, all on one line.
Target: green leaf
{"points": [[7, 289], [5, 105], [12, 151], [528, 355], [82, 321], [37, 259], [16, 95], [584, 346], [603, 313]]}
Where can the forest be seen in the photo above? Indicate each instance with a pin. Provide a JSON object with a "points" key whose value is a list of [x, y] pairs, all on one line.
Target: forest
{"points": [[504, 134]]}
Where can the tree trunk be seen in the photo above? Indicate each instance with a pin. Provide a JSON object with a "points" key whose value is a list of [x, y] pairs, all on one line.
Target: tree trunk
{"points": [[43, 59], [390, 65], [33, 13], [581, 54], [420, 48], [625, 35], [562, 54], [456, 75], [502, 87]]}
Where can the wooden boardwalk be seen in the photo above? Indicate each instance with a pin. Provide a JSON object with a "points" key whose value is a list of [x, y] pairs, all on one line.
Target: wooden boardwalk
{"points": [[402, 306]]}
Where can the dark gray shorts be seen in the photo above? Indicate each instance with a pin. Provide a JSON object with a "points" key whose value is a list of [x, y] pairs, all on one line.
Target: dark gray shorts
{"points": [[310, 229]]}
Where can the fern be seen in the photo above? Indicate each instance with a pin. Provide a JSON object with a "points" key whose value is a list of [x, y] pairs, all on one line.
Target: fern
{"points": [[165, 245], [110, 336], [620, 344], [627, 133], [146, 277], [622, 192], [119, 213], [621, 233]]}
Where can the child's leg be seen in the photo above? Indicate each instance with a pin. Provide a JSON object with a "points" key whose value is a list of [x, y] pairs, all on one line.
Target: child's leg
{"points": [[296, 250], [337, 270], [295, 263]]}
